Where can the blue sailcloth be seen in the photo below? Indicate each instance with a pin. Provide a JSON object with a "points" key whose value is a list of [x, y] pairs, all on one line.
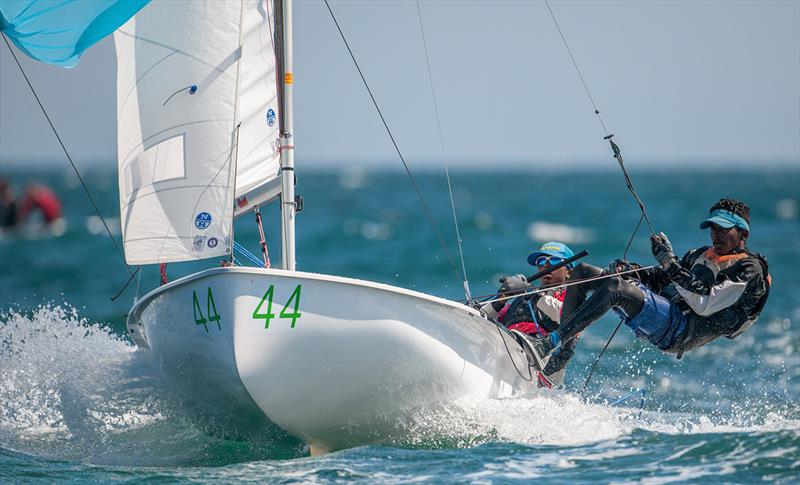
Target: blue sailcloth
{"points": [[59, 31]]}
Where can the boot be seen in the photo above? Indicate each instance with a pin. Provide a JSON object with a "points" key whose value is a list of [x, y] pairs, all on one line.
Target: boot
{"points": [[537, 349]]}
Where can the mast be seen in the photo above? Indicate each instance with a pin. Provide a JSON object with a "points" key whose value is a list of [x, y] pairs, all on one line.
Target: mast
{"points": [[285, 66]]}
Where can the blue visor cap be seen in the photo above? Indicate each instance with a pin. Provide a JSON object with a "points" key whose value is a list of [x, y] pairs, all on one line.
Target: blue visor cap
{"points": [[725, 219], [557, 249]]}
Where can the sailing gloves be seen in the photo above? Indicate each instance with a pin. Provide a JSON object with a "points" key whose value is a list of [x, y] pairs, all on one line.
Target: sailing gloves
{"points": [[662, 250], [513, 284], [625, 267], [617, 266], [510, 285]]}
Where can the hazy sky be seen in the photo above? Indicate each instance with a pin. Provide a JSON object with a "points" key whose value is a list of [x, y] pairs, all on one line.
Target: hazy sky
{"points": [[676, 81]]}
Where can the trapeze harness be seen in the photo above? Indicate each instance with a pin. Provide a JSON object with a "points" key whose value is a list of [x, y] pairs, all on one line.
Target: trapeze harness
{"points": [[532, 320], [713, 302], [521, 309]]}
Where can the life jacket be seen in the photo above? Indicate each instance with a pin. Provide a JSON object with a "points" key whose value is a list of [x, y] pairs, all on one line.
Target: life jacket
{"points": [[524, 317], [761, 303], [702, 328]]}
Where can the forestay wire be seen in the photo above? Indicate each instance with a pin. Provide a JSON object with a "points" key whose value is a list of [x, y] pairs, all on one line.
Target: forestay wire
{"points": [[64, 148], [425, 208], [467, 292]]}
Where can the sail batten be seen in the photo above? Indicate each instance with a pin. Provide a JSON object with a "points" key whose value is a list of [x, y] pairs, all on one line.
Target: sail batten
{"points": [[193, 103]]}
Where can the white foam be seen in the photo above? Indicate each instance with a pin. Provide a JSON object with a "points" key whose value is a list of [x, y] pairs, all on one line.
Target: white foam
{"points": [[548, 418], [559, 418], [66, 384], [45, 354]]}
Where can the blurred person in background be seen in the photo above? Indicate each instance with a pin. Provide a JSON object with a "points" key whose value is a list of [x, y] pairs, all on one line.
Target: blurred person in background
{"points": [[40, 198], [8, 205]]}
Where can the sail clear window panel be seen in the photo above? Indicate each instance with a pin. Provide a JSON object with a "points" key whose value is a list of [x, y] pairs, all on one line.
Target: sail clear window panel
{"points": [[163, 161]]}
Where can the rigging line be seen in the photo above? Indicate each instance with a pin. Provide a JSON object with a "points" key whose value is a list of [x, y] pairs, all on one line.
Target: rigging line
{"points": [[126, 284], [425, 208], [500, 329], [138, 286], [629, 182], [575, 64], [633, 235], [614, 147], [567, 284], [444, 154], [58, 137], [618, 156], [597, 359]]}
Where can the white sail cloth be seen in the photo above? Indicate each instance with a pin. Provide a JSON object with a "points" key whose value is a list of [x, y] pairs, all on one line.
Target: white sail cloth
{"points": [[197, 123]]}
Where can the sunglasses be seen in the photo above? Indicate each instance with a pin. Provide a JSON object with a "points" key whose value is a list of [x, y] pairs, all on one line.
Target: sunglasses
{"points": [[551, 260]]}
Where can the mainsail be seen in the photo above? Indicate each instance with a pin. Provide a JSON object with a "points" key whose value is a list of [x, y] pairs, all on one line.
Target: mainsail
{"points": [[197, 124]]}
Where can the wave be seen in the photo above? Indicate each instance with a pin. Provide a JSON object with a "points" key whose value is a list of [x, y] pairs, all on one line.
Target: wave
{"points": [[74, 390], [71, 389]]}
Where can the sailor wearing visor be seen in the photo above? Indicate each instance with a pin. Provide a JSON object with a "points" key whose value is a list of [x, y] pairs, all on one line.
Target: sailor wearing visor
{"points": [[713, 291], [538, 313]]}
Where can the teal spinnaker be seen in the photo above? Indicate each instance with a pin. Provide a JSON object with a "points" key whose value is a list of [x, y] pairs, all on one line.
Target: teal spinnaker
{"points": [[59, 31]]}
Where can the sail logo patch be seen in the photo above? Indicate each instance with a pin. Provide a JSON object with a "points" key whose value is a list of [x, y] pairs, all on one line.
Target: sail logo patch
{"points": [[270, 117], [198, 243], [202, 220], [212, 242]]}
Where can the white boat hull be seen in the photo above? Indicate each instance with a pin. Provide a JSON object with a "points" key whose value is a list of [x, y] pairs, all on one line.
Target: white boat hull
{"points": [[338, 363]]}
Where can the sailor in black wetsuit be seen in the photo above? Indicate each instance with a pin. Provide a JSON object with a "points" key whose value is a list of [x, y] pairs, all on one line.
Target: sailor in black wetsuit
{"points": [[538, 313], [713, 291]]}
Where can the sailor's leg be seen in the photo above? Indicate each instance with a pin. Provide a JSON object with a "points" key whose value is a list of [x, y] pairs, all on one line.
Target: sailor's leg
{"points": [[556, 367], [659, 321], [612, 292], [576, 294]]}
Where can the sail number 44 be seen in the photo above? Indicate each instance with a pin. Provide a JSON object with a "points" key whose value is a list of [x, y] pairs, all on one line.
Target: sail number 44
{"points": [[266, 301], [211, 316]]}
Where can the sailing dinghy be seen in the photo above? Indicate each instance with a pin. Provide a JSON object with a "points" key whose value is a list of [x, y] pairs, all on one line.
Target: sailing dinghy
{"points": [[205, 134]]}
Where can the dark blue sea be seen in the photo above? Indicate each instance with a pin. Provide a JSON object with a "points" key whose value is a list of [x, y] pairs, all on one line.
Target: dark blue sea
{"points": [[78, 403]]}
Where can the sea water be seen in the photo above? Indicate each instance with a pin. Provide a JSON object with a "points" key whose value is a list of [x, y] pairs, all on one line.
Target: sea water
{"points": [[79, 403]]}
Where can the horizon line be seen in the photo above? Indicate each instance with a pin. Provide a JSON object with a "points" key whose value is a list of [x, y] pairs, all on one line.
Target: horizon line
{"points": [[429, 164]]}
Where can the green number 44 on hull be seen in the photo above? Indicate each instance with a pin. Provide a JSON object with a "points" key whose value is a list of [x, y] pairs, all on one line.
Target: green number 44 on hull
{"points": [[294, 301], [211, 311]]}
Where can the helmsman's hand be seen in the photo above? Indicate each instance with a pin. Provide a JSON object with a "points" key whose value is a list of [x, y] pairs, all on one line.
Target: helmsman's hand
{"points": [[513, 284], [510, 285], [662, 250]]}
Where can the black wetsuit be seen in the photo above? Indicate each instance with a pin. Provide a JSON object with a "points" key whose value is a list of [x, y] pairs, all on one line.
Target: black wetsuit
{"points": [[519, 310], [709, 296]]}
